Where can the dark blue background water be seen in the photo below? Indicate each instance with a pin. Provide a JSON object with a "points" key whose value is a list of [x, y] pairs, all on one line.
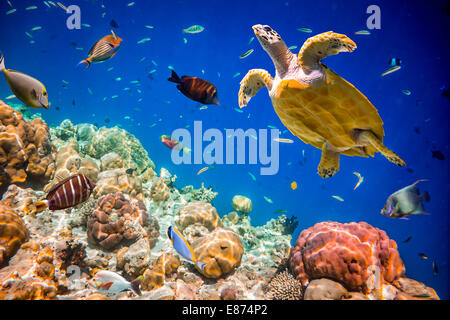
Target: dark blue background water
{"points": [[415, 33]]}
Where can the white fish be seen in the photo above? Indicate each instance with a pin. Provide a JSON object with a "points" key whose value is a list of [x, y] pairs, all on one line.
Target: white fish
{"points": [[111, 282]]}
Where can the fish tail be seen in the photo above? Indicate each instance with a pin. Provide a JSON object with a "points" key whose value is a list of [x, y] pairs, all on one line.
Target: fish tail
{"points": [[86, 62], [426, 196], [40, 206], [2, 62], [135, 285], [174, 77]]}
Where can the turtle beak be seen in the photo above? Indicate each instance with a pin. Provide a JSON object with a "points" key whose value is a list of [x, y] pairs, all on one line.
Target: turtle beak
{"points": [[256, 29]]}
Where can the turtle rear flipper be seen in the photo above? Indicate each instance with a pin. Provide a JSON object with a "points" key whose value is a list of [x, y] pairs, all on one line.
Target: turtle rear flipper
{"points": [[323, 45], [369, 137], [254, 80]]}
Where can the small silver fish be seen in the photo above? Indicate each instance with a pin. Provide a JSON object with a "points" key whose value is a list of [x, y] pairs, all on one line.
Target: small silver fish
{"points": [[246, 54], [405, 202], [194, 29]]}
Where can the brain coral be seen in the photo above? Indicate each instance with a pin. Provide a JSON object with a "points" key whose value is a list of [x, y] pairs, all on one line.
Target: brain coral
{"points": [[25, 149], [118, 217], [350, 253], [13, 233], [197, 212], [221, 250]]}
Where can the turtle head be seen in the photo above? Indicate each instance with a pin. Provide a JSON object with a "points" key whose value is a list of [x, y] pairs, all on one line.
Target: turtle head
{"points": [[268, 37], [272, 43]]}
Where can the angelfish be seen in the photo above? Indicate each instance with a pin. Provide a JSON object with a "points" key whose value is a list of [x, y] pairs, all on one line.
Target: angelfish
{"points": [[405, 202], [183, 247], [26, 88], [103, 49], [111, 282], [196, 89]]}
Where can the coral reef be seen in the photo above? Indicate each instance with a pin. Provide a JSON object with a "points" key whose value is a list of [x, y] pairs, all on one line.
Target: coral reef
{"points": [[221, 251], [198, 213], [159, 191], [25, 149], [13, 233], [72, 254], [34, 279], [155, 276], [242, 204], [118, 180], [284, 286], [69, 162], [117, 218], [350, 253], [203, 194], [324, 289]]}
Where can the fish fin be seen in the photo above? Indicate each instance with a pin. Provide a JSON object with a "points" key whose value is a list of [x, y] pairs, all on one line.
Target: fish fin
{"points": [[86, 62], [2, 62], [34, 94], [107, 285], [135, 285], [426, 196], [40, 206], [174, 78]]}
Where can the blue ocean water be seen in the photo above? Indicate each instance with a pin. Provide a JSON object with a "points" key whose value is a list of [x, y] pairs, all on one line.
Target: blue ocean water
{"points": [[417, 34]]}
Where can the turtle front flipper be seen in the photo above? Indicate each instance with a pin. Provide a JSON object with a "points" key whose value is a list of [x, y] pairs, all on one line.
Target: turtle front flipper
{"points": [[369, 137], [329, 162], [321, 46], [254, 80]]}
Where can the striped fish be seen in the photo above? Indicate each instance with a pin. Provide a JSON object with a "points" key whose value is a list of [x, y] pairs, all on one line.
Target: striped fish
{"points": [[196, 89], [103, 49], [67, 193]]}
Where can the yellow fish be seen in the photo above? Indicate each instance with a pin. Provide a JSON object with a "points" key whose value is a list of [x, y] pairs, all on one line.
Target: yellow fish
{"points": [[26, 88], [338, 198], [294, 185], [360, 179]]}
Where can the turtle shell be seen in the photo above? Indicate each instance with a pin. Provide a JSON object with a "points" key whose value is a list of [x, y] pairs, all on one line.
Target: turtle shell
{"points": [[327, 112]]}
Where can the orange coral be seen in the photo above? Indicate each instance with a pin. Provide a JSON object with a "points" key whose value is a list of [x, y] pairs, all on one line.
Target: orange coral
{"points": [[108, 231], [155, 275], [197, 212], [13, 233], [25, 149], [221, 250], [350, 253], [37, 281]]}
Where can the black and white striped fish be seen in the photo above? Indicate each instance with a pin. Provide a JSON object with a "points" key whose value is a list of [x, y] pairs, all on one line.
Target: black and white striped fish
{"points": [[103, 49], [67, 193]]}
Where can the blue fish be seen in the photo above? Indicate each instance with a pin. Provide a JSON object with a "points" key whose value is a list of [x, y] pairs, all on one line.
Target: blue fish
{"points": [[183, 247]]}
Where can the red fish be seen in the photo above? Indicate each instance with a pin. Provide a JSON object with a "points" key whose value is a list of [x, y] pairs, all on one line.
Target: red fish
{"points": [[173, 143], [67, 193], [196, 89], [103, 49]]}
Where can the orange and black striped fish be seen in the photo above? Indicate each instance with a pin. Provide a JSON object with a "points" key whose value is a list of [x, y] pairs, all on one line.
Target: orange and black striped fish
{"points": [[103, 49], [196, 89], [67, 193]]}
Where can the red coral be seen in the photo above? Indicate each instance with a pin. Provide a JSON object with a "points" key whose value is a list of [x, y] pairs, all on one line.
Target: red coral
{"points": [[345, 252], [25, 149]]}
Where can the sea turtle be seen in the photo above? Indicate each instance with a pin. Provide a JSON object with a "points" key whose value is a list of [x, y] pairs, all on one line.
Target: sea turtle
{"points": [[316, 104]]}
